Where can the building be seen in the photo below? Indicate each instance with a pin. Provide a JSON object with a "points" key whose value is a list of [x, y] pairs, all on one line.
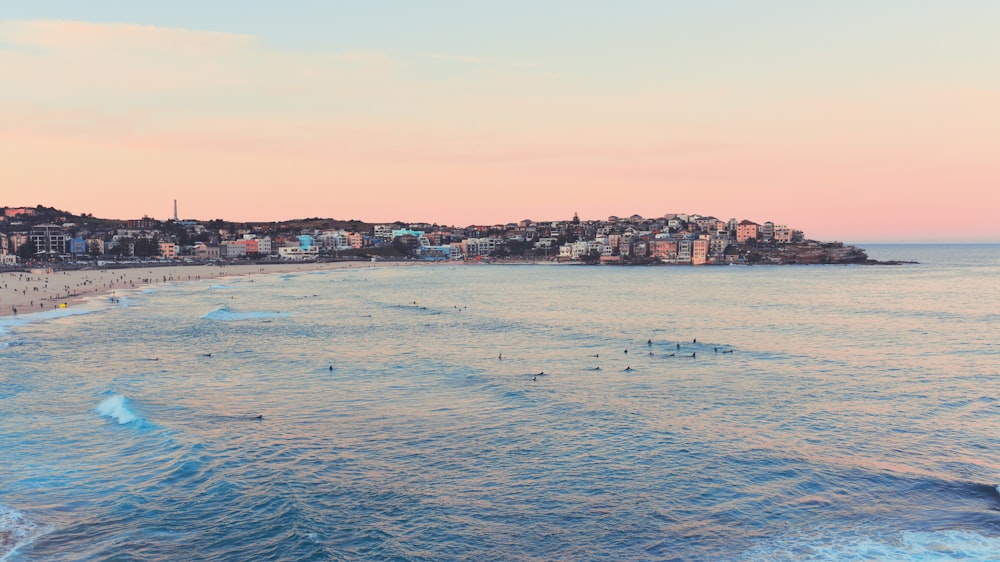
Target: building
{"points": [[205, 252], [699, 251], [233, 250], [12, 212], [483, 246], [49, 240], [298, 253], [782, 233], [168, 250], [145, 223], [746, 230], [77, 246]]}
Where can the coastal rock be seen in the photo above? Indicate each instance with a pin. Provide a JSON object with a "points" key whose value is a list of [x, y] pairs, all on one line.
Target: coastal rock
{"points": [[809, 252]]}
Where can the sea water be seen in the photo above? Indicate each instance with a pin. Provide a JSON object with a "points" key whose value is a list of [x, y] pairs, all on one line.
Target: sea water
{"points": [[487, 412]]}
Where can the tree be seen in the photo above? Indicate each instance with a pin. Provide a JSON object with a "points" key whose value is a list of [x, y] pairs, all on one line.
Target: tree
{"points": [[27, 250], [406, 244], [146, 247], [516, 247], [122, 248]]}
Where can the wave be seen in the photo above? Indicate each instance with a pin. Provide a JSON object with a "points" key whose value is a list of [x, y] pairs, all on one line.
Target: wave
{"points": [[116, 408], [16, 531], [224, 314], [9, 322], [908, 545]]}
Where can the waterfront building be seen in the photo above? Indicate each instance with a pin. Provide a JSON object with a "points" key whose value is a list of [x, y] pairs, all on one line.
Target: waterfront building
{"points": [[746, 230], [49, 240], [767, 231], [383, 232], [77, 246], [782, 233], [298, 253], [233, 250], [483, 246], [685, 247], [95, 246], [699, 251], [205, 252], [168, 250], [663, 249]]}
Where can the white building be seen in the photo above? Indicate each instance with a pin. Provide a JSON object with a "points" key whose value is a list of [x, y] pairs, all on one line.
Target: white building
{"points": [[233, 251], [298, 253]]}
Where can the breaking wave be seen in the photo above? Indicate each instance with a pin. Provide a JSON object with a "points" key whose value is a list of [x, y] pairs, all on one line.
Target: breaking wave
{"points": [[16, 531], [224, 314], [116, 408], [909, 545]]}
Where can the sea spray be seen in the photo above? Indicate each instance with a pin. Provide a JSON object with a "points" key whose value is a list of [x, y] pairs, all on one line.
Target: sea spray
{"points": [[116, 407], [16, 531]]}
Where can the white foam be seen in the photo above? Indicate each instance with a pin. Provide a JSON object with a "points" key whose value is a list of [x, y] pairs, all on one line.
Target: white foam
{"points": [[16, 531], [910, 545], [225, 315], [116, 407]]}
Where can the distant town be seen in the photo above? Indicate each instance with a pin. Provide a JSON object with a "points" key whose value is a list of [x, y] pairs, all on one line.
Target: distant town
{"points": [[44, 235]]}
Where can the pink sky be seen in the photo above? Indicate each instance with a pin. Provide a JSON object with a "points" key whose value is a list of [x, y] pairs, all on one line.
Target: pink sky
{"points": [[120, 120]]}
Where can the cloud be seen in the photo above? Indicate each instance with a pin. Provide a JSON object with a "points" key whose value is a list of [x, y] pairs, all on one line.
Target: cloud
{"points": [[55, 36], [115, 65], [479, 60]]}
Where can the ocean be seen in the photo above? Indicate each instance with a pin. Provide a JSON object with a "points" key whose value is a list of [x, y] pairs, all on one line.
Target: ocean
{"points": [[515, 413]]}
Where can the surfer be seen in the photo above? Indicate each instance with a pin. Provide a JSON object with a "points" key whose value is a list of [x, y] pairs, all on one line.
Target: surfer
{"points": [[331, 368], [259, 417], [629, 368]]}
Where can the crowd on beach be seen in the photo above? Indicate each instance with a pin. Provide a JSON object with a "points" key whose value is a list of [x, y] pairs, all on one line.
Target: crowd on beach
{"points": [[38, 290]]}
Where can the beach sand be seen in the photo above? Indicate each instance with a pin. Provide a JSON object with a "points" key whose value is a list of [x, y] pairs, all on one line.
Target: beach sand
{"points": [[39, 290]]}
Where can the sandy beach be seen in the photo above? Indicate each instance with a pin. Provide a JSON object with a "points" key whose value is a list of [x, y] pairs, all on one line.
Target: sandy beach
{"points": [[37, 290]]}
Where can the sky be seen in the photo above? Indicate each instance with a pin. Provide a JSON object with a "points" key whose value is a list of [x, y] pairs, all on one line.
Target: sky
{"points": [[874, 120]]}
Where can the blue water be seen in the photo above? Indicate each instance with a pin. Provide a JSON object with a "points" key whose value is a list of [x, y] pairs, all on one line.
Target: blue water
{"points": [[828, 413]]}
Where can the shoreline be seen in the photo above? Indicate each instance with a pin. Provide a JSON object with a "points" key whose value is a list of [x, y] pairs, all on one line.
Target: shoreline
{"points": [[44, 289]]}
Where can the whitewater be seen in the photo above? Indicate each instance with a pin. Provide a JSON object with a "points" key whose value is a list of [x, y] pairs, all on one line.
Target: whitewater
{"points": [[491, 412]]}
